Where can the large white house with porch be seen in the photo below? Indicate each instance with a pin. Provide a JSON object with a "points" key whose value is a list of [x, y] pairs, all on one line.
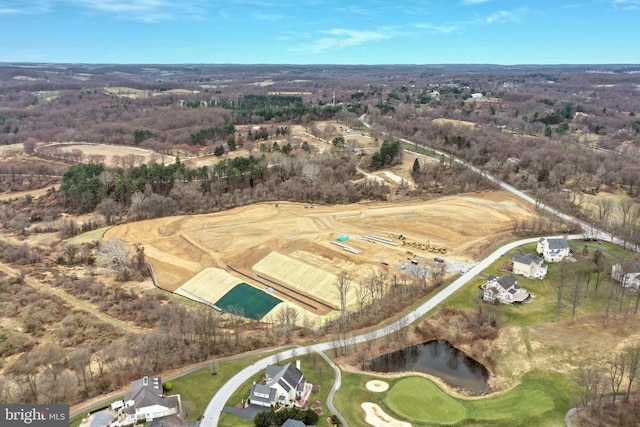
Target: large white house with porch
{"points": [[627, 273], [553, 250], [530, 266], [283, 386], [145, 402], [504, 289]]}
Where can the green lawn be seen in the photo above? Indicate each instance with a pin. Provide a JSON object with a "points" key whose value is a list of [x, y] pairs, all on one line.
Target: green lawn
{"points": [[543, 308], [420, 400], [197, 388], [90, 236], [541, 399], [315, 370]]}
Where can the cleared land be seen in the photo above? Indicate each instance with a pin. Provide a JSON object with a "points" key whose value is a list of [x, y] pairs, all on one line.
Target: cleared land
{"points": [[291, 244], [110, 151]]}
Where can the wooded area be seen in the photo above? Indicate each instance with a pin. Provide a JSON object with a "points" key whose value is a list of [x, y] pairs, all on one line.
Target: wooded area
{"points": [[569, 136]]}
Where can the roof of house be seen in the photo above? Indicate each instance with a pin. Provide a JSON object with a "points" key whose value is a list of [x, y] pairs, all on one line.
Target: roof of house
{"points": [[147, 392], [289, 376], [631, 267], [507, 282], [273, 370], [262, 389], [293, 423], [556, 244], [527, 259]]}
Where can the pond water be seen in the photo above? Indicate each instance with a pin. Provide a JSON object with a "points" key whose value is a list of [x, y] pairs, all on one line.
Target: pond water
{"points": [[438, 358]]}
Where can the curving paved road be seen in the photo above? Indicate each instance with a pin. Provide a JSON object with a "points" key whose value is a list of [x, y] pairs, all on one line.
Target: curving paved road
{"points": [[212, 413], [214, 409]]}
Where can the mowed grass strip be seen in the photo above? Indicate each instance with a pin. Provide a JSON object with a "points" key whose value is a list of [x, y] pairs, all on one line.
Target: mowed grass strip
{"points": [[418, 399], [248, 301], [90, 236], [300, 275]]}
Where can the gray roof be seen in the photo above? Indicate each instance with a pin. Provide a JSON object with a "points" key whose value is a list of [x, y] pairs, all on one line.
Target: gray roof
{"points": [[273, 370], [148, 391], [631, 267], [289, 376], [508, 281], [293, 423], [263, 389], [557, 244], [527, 259]]}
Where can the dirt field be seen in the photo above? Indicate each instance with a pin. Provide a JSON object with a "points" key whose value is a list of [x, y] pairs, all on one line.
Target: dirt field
{"points": [[292, 243], [109, 151]]}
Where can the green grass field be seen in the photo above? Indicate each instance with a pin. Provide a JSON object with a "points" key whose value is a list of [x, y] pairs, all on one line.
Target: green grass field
{"points": [[542, 308], [541, 399], [90, 236]]}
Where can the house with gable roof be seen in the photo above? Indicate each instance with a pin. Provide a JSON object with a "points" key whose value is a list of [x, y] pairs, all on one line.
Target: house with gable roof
{"points": [[504, 289], [530, 266], [553, 250], [627, 273], [283, 386], [146, 401]]}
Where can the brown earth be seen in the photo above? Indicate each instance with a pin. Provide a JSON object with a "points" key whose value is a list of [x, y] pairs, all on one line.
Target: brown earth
{"points": [[180, 247]]}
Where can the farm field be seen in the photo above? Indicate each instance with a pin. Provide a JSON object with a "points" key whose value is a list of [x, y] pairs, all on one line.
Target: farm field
{"points": [[290, 244]]}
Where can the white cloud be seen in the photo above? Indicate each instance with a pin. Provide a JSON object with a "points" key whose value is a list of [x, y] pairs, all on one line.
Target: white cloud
{"points": [[266, 16], [627, 4], [503, 16], [18, 7], [444, 29], [134, 10], [338, 38]]}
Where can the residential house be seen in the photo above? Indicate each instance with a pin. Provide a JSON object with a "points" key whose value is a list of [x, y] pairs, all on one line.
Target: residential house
{"points": [[283, 386], [504, 289], [530, 266], [553, 250], [293, 423], [146, 401], [628, 274]]}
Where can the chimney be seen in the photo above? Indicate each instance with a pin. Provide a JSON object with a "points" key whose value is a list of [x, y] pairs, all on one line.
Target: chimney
{"points": [[298, 364]]}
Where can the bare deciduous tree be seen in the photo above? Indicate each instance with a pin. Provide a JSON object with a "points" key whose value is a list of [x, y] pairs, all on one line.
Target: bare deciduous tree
{"points": [[343, 285]]}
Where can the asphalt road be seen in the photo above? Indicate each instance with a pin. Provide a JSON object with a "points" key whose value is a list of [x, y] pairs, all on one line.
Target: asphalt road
{"points": [[212, 413], [213, 410]]}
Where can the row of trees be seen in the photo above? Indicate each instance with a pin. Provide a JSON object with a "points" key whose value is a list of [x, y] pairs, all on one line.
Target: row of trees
{"points": [[605, 389]]}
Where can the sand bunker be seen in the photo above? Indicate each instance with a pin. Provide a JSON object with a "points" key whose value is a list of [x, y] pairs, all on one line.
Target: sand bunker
{"points": [[377, 386], [378, 418]]}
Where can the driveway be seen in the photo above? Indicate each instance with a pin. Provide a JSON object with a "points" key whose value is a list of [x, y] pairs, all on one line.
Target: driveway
{"points": [[247, 413]]}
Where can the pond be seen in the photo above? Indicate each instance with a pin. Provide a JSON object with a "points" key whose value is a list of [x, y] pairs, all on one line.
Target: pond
{"points": [[438, 358]]}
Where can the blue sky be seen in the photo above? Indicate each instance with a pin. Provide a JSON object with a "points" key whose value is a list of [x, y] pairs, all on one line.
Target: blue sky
{"points": [[321, 31]]}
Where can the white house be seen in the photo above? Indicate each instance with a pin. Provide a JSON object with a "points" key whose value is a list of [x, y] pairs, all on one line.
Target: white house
{"points": [[529, 265], [504, 289], [145, 401], [628, 274], [553, 250], [283, 385]]}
